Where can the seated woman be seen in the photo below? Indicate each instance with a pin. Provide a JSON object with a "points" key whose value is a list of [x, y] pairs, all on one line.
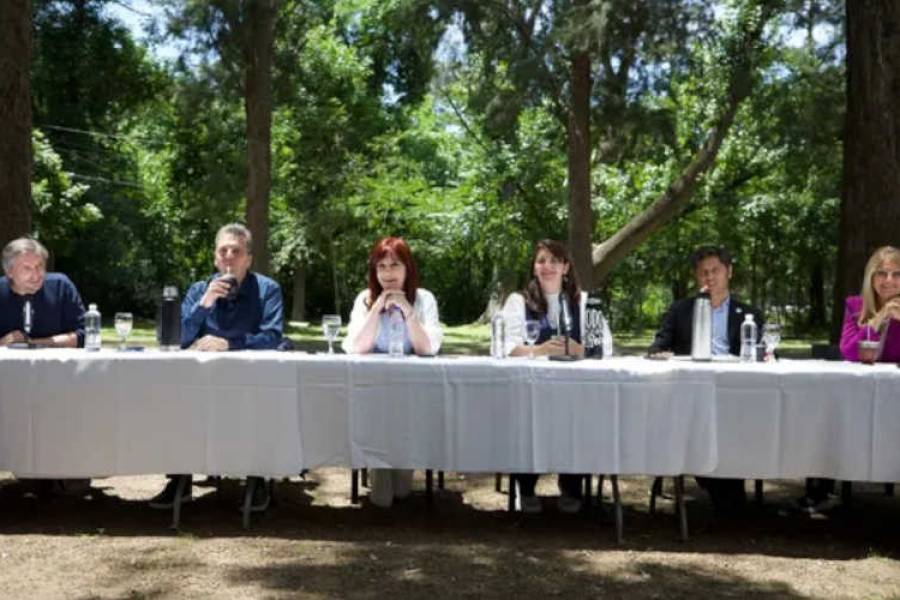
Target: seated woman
{"points": [[393, 286], [875, 313], [540, 301]]}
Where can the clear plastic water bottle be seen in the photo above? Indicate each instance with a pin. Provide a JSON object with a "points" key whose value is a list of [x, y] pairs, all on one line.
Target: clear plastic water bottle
{"points": [[396, 333], [498, 335], [92, 339], [748, 339]]}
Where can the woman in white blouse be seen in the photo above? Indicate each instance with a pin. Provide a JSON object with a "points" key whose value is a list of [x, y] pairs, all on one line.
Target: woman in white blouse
{"points": [[393, 286], [552, 275]]}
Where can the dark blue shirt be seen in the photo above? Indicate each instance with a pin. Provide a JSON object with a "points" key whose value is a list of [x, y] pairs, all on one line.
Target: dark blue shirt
{"points": [[253, 321], [56, 308], [548, 329]]}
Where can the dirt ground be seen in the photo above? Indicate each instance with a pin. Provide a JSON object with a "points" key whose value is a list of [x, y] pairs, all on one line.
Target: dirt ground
{"points": [[314, 544]]}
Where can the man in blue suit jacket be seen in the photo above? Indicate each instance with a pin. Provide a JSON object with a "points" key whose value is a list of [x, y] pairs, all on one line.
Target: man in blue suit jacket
{"points": [[712, 271]]}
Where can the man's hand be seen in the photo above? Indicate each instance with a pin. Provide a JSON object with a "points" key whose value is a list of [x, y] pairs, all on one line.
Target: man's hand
{"points": [[210, 343], [11, 337], [216, 289]]}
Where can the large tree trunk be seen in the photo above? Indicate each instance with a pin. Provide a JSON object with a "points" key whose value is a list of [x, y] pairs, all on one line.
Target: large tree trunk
{"points": [[258, 52], [676, 198], [581, 216], [15, 119], [870, 203]]}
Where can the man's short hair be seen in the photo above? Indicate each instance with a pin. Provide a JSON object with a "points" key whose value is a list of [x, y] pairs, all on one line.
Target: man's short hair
{"points": [[707, 251], [237, 230], [20, 246]]}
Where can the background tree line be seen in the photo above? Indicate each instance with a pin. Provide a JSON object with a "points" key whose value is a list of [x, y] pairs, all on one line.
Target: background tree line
{"points": [[634, 130]]}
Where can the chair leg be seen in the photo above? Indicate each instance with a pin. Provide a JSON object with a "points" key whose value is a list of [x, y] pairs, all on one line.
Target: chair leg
{"points": [[758, 492], [498, 482], [511, 496], [176, 505], [354, 486], [440, 480], [889, 489], [248, 500], [655, 491], [587, 494], [365, 477], [617, 507], [429, 486], [682, 512], [846, 493]]}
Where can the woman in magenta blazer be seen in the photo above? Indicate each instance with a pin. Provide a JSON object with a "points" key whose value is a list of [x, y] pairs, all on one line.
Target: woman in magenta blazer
{"points": [[875, 314]]}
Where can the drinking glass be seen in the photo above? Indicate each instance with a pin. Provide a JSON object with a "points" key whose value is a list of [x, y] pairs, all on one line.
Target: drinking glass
{"points": [[123, 321], [532, 333], [331, 327], [771, 338]]}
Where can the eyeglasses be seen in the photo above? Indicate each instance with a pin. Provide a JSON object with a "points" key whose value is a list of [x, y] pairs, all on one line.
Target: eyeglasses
{"points": [[886, 274]]}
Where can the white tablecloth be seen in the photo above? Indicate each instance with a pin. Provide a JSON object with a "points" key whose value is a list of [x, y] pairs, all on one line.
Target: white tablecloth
{"points": [[73, 413]]}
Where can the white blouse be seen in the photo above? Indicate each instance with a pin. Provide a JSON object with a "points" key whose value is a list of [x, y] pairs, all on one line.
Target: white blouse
{"points": [[514, 314], [426, 311]]}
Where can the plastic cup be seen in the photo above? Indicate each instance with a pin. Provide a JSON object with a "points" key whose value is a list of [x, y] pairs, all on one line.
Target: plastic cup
{"points": [[868, 351]]}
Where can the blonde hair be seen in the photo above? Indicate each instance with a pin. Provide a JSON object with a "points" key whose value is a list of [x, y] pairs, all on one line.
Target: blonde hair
{"points": [[869, 297]]}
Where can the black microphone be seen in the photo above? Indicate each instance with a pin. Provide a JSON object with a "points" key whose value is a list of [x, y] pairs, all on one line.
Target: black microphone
{"points": [[565, 319], [27, 317]]}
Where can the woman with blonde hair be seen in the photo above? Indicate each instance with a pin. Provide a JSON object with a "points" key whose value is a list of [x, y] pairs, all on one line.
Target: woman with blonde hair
{"points": [[875, 313]]}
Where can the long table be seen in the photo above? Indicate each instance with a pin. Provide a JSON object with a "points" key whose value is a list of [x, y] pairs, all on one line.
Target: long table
{"points": [[79, 414]]}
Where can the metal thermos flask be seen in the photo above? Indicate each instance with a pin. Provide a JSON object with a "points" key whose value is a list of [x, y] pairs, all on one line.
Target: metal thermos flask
{"points": [[593, 328], [168, 326], [701, 332]]}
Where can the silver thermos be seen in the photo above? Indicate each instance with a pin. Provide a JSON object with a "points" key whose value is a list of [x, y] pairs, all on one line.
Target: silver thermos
{"points": [[701, 332]]}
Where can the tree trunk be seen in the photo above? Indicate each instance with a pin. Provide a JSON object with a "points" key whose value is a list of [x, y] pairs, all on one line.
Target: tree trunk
{"points": [[870, 203], [670, 203], [298, 307], [258, 50], [581, 216], [816, 296], [15, 119]]}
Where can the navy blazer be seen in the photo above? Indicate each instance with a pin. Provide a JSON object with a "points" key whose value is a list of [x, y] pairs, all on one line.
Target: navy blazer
{"points": [[674, 334]]}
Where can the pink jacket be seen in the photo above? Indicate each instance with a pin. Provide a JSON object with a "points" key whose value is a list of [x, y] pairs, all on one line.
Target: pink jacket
{"points": [[852, 333]]}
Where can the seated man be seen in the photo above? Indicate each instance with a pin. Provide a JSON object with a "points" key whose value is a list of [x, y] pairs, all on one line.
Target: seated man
{"points": [[57, 313], [236, 309], [712, 271]]}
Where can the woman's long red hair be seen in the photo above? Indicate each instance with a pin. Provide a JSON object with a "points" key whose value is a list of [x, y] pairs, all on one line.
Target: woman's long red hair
{"points": [[400, 249]]}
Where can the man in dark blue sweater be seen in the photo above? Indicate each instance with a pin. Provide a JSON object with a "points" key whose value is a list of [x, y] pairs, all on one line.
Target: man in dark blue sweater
{"points": [[56, 311], [236, 309]]}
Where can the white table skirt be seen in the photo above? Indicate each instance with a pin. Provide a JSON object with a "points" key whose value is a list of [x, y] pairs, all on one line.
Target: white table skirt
{"points": [[73, 413]]}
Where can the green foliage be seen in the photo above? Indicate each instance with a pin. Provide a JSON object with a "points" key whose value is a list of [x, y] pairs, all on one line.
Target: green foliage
{"points": [[443, 122]]}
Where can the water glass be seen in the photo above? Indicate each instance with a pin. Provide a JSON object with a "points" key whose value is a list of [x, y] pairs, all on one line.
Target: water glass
{"points": [[331, 328], [771, 338], [123, 322], [532, 333]]}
